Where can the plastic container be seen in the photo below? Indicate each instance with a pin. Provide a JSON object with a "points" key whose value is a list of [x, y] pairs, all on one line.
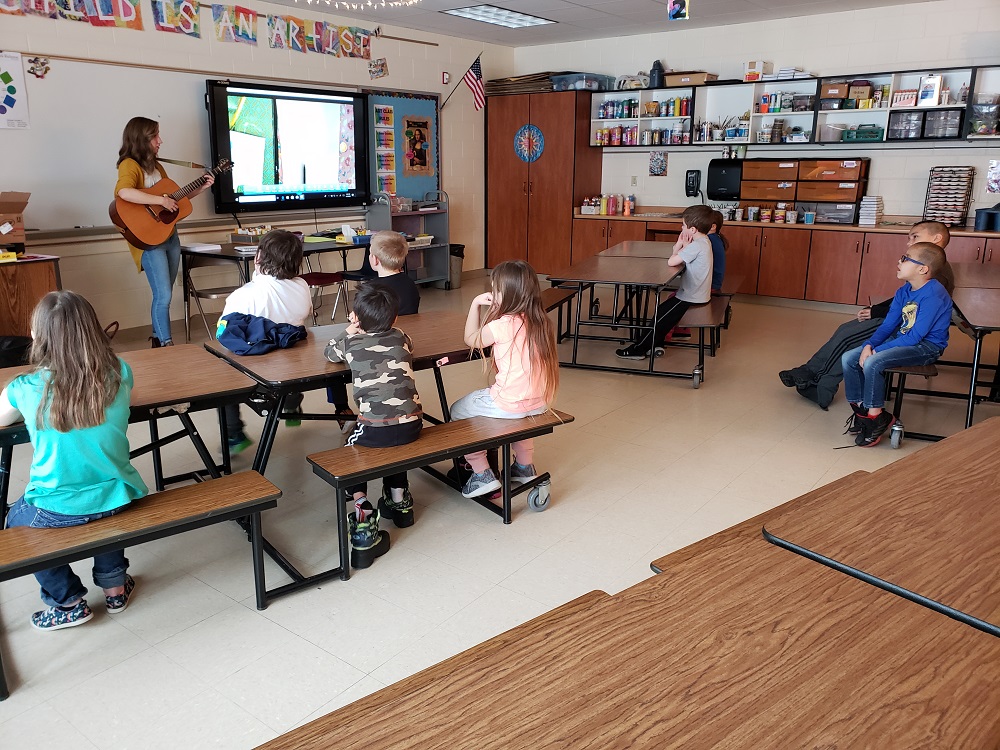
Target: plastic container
{"points": [[582, 82], [866, 134]]}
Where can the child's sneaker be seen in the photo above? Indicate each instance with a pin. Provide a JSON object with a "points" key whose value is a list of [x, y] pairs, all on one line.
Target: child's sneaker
{"points": [[116, 604], [482, 483], [293, 421], [55, 618], [367, 541], [633, 351], [239, 444], [400, 513], [520, 474], [873, 428], [855, 422]]}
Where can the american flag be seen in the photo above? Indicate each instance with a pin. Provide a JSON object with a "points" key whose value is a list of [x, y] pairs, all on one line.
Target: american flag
{"points": [[474, 80]]}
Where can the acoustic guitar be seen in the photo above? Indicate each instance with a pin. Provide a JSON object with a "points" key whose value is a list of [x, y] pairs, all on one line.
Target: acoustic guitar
{"points": [[146, 226]]}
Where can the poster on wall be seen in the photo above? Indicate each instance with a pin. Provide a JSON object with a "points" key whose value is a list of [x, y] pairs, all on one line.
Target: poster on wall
{"points": [[13, 94], [180, 17], [118, 14], [418, 159], [657, 163], [234, 23]]}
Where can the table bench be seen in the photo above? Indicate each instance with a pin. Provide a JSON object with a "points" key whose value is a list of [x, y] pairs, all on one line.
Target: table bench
{"points": [[709, 317], [354, 464], [25, 550]]}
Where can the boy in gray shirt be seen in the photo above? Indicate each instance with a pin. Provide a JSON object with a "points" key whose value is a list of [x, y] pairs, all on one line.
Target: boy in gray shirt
{"points": [[694, 250]]}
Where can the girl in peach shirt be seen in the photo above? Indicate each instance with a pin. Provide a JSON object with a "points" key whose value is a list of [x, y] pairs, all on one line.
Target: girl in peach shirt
{"points": [[525, 362]]}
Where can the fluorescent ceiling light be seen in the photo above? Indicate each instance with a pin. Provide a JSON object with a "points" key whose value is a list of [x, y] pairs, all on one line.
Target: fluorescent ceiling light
{"points": [[511, 19]]}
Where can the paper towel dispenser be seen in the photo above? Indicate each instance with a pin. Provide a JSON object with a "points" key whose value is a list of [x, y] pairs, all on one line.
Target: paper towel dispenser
{"points": [[724, 177]]}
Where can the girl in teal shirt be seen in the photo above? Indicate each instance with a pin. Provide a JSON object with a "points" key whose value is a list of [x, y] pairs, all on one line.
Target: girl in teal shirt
{"points": [[75, 405]]}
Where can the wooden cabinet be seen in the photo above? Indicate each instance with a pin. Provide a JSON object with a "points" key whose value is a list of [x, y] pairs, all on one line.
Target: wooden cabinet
{"points": [[626, 231], [966, 250], [878, 267], [530, 203], [742, 258], [784, 262], [834, 266], [591, 236], [22, 284], [993, 251]]}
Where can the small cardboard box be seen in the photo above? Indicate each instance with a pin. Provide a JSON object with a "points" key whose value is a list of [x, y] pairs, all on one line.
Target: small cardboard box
{"points": [[12, 216], [834, 91], [688, 78], [859, 92], [754, 69]]}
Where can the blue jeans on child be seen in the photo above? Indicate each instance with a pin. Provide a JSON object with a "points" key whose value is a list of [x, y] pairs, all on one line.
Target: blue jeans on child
{"points": [[61, 586], [160, 264], [866, 385]]}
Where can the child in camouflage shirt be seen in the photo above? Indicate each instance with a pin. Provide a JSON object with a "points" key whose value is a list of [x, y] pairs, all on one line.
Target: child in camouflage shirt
{"points": [[389, 411]]}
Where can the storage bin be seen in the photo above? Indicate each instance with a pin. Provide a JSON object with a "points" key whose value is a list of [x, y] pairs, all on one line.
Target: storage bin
{"points": [[770, 169], [905, 125], [833, 169], [850, 191], [864, 134], [761, 190], [944, 124], [828, 104], [832, 132], [831, 213], [582, 81]]}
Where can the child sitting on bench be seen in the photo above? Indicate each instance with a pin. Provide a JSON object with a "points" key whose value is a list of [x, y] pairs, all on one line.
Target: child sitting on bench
{"points": [[525, 361], [915, 332], [75, 406], [389, 410]]}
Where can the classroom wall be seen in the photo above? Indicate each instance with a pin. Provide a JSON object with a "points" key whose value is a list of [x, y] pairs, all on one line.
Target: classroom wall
{"points": [[101, 267], [944, 33]]}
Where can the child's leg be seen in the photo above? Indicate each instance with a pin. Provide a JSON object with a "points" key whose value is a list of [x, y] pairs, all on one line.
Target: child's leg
{"points": [[234, 424], [854, 376], [110, 572], [887, 359], [524, 451]]}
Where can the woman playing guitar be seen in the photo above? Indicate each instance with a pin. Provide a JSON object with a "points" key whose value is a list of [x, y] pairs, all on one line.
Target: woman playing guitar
{"points": [[137, 169]]}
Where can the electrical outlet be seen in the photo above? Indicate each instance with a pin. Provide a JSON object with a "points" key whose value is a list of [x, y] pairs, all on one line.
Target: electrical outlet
{"points": [[635, 180], [445, 78]]}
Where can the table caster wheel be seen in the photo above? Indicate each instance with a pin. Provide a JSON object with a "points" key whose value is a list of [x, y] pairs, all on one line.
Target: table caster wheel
{"points": [[658, 351], [896, 435], [538, 497], [696, 378]]}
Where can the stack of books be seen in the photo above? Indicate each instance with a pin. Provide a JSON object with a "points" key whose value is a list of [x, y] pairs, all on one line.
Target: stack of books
{"points": [[871, 211], [787, 73]]}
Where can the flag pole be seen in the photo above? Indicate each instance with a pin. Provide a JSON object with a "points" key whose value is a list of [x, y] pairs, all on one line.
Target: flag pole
{"points": [[460, 80]]}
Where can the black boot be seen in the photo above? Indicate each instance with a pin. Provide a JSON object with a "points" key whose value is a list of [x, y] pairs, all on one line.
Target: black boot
{"points": [[400, 513], [367, 541], [155, 342]]}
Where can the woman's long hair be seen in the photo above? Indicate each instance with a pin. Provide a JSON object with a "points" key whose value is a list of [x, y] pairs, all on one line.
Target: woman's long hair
{"points": [[516, 283], [138, 133], [82, 372]]}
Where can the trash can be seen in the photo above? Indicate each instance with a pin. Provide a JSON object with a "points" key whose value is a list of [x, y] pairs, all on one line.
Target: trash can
{"points": [[455, 269], [14, 350]]}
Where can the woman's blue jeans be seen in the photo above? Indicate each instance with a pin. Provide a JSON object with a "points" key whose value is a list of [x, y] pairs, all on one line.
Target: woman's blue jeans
{"points": [[866, 385], [160, 264], [61, 586]]}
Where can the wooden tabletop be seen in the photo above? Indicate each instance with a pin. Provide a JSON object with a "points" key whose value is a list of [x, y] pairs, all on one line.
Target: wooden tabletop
{"points": [[168, 375], [980, 307], [604, 269], [771, 650], [637, 249], [977, 275], [928, 526], [434, 335]]}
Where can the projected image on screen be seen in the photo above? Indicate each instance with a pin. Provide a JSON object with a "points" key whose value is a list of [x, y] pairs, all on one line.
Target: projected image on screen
{"points": [[291, 146]]}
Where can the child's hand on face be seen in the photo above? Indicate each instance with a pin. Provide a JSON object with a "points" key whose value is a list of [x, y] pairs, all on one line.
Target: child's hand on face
{"points": [[354, 326], [485, 299]]}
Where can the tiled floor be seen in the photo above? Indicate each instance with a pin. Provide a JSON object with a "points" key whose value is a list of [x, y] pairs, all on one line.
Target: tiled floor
{"points": [[648, 466]]}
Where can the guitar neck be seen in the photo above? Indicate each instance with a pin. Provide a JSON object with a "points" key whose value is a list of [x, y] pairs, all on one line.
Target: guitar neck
{"points": [[185, 191]]}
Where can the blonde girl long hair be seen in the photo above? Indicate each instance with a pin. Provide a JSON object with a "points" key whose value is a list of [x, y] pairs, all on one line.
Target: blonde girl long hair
{"points": [[516, 285], [83, 372], [136, 137]]}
